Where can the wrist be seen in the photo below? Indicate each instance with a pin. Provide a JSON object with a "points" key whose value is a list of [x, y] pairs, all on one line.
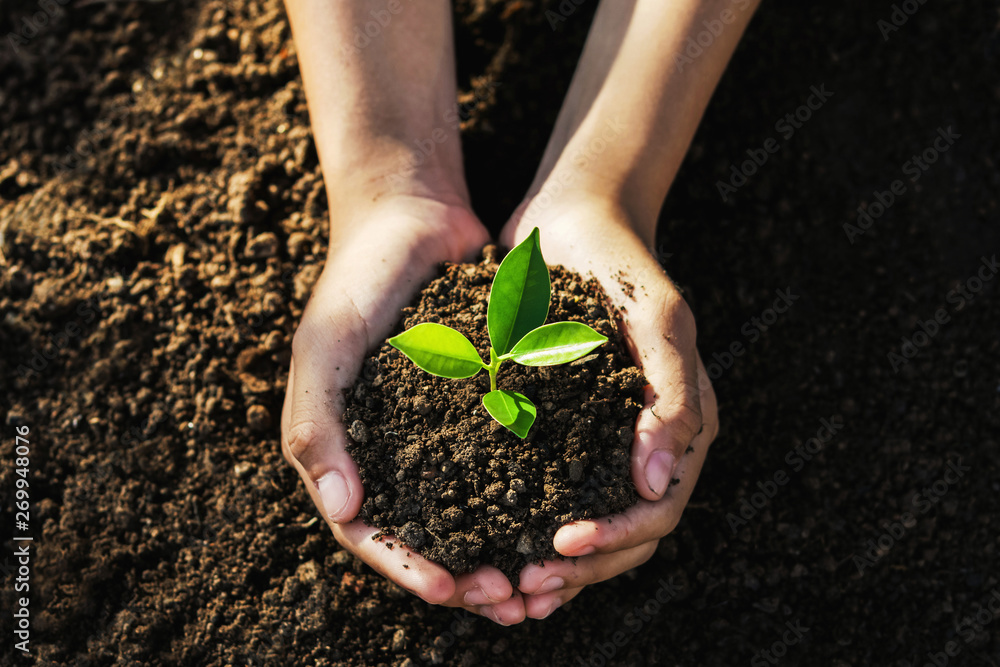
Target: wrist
{"points": [[433, 224], [565, 202], [598, 167], [393, 172]]}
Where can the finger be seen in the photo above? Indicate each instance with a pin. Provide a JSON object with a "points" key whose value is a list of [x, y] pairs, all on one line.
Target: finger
{"points": [[542, 606], [661, 336], [400, 564], [314, 439], [509, 612], [485, 586], [572, 573], [646, 520]]}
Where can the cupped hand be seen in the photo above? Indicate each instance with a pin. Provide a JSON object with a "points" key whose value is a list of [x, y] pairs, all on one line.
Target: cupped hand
{"points": [[678, 421], [380, 257]]}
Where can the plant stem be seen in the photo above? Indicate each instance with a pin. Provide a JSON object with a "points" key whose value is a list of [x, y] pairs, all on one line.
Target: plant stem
{"points": [[492, 368]]}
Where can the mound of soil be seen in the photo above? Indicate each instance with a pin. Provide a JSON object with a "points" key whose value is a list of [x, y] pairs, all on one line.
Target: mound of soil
{"points": [[455, 485], [163, 219]]}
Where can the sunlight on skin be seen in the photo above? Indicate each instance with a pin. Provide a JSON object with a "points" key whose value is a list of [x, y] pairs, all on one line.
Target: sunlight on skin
{"points": [[603, 548], [355, 302], [423, 578], [367, 112], [624, 128]]}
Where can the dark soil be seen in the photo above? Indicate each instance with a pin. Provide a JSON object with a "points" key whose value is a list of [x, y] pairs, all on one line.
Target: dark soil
{"points": [[452, 483], [155, 271]]}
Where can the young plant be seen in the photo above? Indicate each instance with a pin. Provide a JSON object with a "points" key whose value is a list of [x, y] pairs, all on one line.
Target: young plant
{"points": [[515, 319]]}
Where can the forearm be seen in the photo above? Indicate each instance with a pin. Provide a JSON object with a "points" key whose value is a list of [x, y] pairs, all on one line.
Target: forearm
{"points": [[637, 98], [379, 87]]}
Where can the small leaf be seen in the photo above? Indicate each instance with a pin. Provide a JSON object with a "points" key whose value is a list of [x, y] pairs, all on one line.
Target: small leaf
{"points": [[557, 343], [511, 409], [439, 350], [519, 297]]}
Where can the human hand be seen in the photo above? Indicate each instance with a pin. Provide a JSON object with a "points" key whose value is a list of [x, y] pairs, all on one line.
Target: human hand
{"points": [[379, 258], [593, 236]]}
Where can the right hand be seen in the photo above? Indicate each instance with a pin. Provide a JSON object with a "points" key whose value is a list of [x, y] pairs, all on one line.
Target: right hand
{"points": [[380, 258], [597, 237]]}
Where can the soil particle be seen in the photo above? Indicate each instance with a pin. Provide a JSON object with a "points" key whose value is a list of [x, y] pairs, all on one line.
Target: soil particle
{"points": [[358, 431], [258, 418]]}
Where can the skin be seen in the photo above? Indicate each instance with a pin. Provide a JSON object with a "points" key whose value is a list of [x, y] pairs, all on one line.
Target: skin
{"points": [[395, 213]]}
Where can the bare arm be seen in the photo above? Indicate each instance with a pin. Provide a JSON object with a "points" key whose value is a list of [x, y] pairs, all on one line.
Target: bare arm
{"points": [[643, 72], [633, 106], [380, 81]]}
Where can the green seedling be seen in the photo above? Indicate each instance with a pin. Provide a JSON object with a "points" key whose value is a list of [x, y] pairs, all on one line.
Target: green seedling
{"points": [[515, 319]]}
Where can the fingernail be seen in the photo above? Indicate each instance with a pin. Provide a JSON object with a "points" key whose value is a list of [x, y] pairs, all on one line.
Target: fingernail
{"points": [[659, 467], [552, 607], [492, 615], [334, 493], [475, 597], [549, 585]]}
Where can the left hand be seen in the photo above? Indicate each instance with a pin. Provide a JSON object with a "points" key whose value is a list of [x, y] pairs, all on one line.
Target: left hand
{"points": [[677, 423]]}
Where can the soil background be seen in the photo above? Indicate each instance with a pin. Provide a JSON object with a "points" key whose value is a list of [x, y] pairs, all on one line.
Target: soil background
{"points": [[163, 220]]}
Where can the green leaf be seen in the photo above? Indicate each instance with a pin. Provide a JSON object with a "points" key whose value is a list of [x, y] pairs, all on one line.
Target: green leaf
{"points": [[439, 350], [557, 343], [519, 297], [511, 409]]}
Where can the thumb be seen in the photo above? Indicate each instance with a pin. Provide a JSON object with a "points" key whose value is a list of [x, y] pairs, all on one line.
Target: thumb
{"points": [[662, 336], [313, 436]]}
